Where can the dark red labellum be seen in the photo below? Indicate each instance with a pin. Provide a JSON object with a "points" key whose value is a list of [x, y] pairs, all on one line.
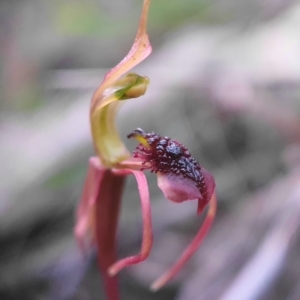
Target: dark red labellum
{"points": [[169, 157]]}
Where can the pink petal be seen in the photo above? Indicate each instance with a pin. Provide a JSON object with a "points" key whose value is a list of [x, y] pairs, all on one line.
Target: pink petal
{"points": [[86, 209], [147, 224], [191, 249]]}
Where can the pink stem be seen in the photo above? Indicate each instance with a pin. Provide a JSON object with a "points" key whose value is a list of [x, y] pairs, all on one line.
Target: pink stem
{"points": [[107, 213], [147, 225], [190, 250]]}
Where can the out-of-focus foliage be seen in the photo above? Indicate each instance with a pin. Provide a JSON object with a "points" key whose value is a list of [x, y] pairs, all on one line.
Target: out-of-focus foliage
{"points": [[81, 18]]}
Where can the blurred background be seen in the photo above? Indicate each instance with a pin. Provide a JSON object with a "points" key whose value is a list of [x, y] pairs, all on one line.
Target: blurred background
{"points": [[225, 81]]}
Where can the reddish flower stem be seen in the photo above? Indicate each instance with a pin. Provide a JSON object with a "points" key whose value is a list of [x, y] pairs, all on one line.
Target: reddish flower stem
{"points": [[190, 250], [107, 212]]}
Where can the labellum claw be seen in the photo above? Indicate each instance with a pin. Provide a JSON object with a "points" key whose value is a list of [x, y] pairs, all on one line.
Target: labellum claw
{"points": [[180, 178]]}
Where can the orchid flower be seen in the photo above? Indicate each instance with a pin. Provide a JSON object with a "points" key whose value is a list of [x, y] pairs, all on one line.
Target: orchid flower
{"points": [[179, 176]]}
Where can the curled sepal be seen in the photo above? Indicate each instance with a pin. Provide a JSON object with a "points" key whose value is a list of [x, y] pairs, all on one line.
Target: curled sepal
{"points": [[147, 224], [108, 144], [105, 101]]}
